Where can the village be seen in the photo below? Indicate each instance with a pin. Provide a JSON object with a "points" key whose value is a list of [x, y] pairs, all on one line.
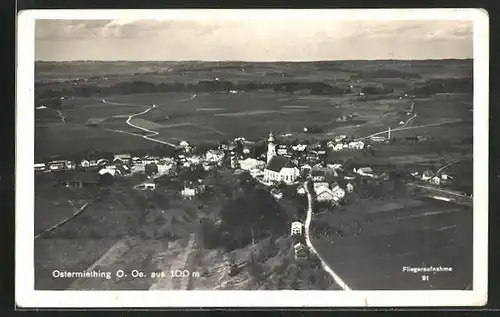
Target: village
{"points": [[282, 165]]}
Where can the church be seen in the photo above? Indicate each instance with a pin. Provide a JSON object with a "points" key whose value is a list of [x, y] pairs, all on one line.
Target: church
{"points": [[279, 168]]}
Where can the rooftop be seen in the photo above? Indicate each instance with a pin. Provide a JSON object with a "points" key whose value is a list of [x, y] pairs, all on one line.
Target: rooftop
{"points": [[278, 162]]}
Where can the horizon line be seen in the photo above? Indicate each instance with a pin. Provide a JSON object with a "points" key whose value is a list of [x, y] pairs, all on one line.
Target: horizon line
{"points": [[246, 61]]}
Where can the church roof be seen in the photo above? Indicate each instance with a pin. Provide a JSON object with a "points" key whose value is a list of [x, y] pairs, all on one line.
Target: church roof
{"points": [[277, 163]]}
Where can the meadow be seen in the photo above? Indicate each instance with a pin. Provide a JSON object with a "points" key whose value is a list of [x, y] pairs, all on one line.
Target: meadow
{"points": [[369, 243]]}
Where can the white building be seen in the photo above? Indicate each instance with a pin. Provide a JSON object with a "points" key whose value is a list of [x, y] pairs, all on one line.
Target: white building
{"points": [[149, 184], [338, 193], [85, 163], [280, 169], [323, 194], [356, 145], [214, 156], [40, 167], [365, 171], [164, 168], [139, 168], [435, 180], [349, 187], [296, 228], [251, 163]]}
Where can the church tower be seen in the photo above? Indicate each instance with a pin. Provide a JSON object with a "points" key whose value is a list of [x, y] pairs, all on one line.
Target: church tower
{"points": [[271, 147]]}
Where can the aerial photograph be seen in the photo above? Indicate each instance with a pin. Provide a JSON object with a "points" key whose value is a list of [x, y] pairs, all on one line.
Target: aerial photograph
{"points": [[242, 155]]}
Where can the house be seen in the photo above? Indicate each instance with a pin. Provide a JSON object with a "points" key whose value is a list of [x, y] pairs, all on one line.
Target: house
{"points": [[338, 193], [445, 177], [280, 169], [251, 163], [195, 159], [84, 163], [256, 173], [299, 147], [334, 167], [102, 162], [435, 180], [356, 145], [282, 150], [109, 171], [149, 184], [57, 165], [164, 168], [40, 167], [324, 194], [338, 147], [306, 168], [214, 156], [124, 158], [349, 187], [300, 252], [70, 165], [189, 191], [365, 171], [427, 175], [296, 228]]}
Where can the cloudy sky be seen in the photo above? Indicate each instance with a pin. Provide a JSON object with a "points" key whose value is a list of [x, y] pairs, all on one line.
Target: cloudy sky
{"points": [[62, 40]]}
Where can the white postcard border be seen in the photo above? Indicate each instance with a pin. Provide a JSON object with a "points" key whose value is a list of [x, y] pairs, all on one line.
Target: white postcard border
{"points": [[27, 296]]}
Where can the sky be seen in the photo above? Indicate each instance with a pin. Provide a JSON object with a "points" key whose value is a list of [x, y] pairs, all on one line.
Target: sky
{"points": [[245, 40]]}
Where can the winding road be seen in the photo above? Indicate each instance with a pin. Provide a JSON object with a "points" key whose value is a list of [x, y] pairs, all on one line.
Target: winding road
{"points": [[151, 133], [325, 266]]}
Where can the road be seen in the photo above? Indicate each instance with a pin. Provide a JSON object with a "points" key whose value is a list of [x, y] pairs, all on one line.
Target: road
{"points": [[325, 266], [151, 133], [409, 128], [446, 191], [448, 165], [57, 225]]}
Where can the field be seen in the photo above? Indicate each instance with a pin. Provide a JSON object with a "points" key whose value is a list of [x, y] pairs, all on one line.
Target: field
{"points": [[368, 244], [208, 116]]}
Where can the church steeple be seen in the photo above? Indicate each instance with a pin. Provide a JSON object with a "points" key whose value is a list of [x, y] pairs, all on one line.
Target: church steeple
{"points": [[271, 147]]}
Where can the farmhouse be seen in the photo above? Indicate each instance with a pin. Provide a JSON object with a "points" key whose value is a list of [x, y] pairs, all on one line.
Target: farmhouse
{"points": [[296, 228], [191, 189], [124, 158], [214, 156], [57, 165], [324, 194], [349, 187], [427, 175], [435, 180], [251, 163], [40, 167], [338, 193], [365, 171], [280, 169], [149, 184], [84, 163], [300, 252]]}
